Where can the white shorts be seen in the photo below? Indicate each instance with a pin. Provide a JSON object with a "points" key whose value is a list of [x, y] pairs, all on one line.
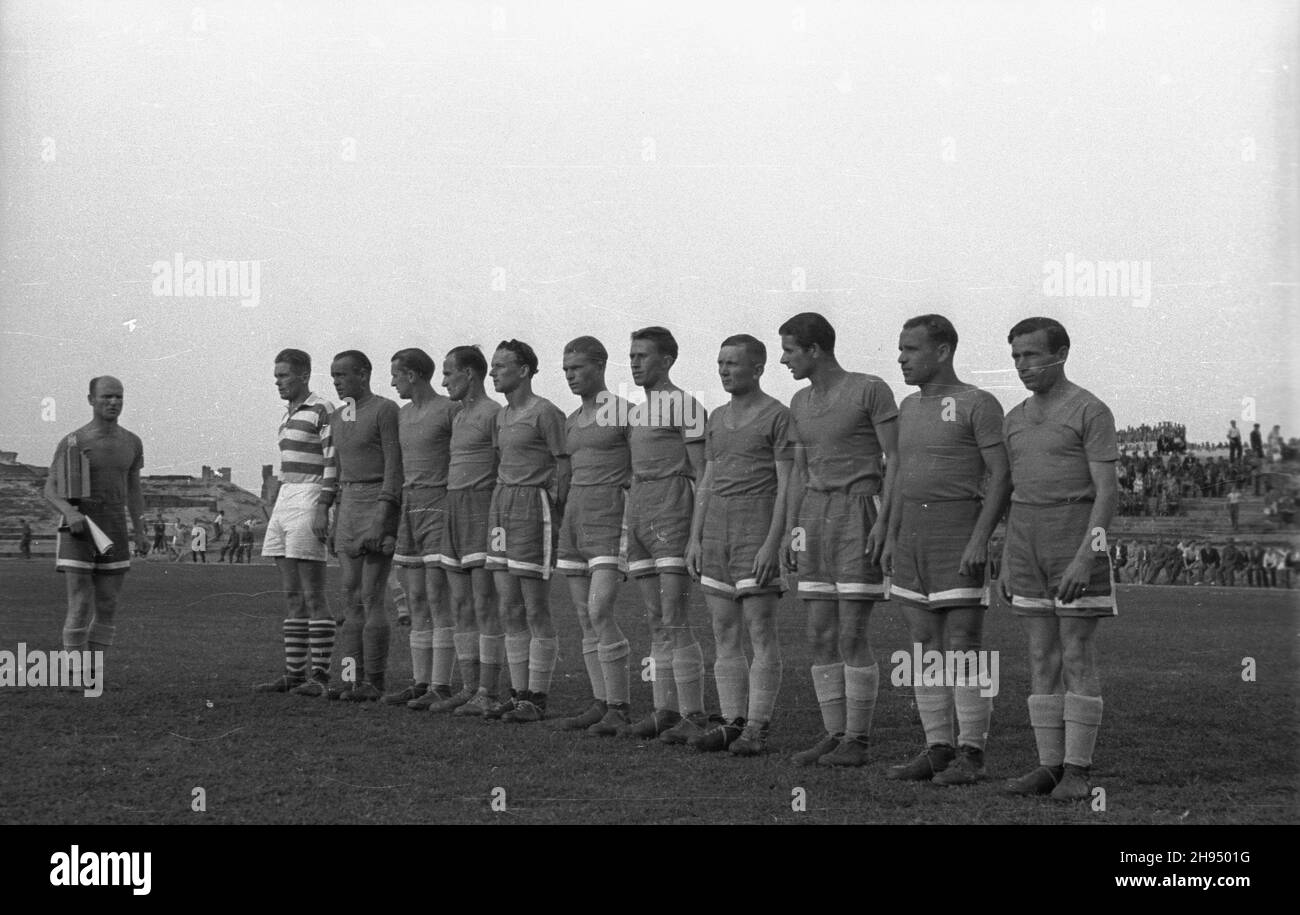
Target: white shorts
{"points": [[289, 533]]}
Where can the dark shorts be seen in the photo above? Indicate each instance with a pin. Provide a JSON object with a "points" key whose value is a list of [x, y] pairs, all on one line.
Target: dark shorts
{"points": [[927, 556], [1041, 543], [521, 531], [591, 534], [734, 530], [421, 530], [359, 506], [833, 564], [78, 553], [465, 532], [659, 525]]}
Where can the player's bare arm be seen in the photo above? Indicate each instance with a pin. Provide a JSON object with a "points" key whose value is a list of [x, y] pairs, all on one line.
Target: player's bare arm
{"points": [[794, 500], [887, 433], [1075, 580], [767, 562], [996, 499], [694, 547], [135, 508]]}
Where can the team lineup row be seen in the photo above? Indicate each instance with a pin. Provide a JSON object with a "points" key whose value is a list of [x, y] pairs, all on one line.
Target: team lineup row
{"points": [[862, 498]]}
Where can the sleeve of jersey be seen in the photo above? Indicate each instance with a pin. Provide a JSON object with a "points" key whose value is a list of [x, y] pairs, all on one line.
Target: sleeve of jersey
{"points": [[880, 403], [1099, 440], [388, 438], [330, 474], [783, 443], [987, 420]]}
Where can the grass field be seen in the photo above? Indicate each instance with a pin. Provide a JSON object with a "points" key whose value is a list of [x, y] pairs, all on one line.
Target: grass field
{"points": [[1185, 738]]}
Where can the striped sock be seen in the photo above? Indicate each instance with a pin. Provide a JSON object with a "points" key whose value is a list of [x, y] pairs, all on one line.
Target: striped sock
{"points": [[541, 663], [732, 676], [764, 684], [517, 650], [595, 673], [828, 684], [320, 635], [466, 645], [421, 655], [295, 648], [861, 685], [614, 667], [444, 656], [934, 705], [687, 672]]}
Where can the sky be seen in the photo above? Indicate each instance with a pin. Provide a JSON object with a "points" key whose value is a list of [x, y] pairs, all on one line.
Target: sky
{"points": [[434, 174]]}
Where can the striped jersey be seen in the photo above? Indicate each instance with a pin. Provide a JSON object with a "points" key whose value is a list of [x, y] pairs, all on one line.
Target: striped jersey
{"points": [[306, 447]]}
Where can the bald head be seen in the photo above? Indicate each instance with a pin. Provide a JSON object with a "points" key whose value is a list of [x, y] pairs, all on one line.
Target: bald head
{"points": [[104, 381], [105, 398]]}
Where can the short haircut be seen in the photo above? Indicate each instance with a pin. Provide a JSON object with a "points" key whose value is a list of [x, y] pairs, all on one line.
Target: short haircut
{"points": [[523, 352], [469, 357], [358, 359], [937, 328], [807, 328], [1056, 335], [415, 360], [753, 346], [299, 362], [590, 347], [94, 381], [662, 338]]}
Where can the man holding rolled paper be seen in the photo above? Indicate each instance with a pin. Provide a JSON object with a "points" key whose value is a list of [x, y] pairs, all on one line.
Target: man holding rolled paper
{"points": [[94, 481]]}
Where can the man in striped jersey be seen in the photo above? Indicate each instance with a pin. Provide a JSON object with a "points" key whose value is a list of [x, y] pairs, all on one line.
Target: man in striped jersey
{"points": [[368, 450], [532, 477], [735, 548], [471, 478], [844, 427], [596, 436], [295, 535], [949, 439], [1056, 565], [667, 442], [424, 429]]}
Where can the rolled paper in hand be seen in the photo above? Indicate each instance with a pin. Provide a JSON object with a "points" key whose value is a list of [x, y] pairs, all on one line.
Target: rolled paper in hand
{"points": [[103, 542]]}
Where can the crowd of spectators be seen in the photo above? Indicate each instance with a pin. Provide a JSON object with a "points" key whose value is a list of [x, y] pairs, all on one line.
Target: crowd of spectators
{"points": [[1203, 562]]}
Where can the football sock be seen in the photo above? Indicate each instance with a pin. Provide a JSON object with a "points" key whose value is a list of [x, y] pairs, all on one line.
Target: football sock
{"points": [[973, 715], [467, 654], [764, 684], [732, 676], [443, 656], [295, 648], [1047, 718], [74, 639], [687, 672], [1082, 716], [421, 654], [491, 654], [595, 672], [828, 684], [350, 649], [101, 635], [541, 663], [662, 681], [517, 651], [374, 638], [934, 705], [861, 684], [614, 666], [320, 635]]}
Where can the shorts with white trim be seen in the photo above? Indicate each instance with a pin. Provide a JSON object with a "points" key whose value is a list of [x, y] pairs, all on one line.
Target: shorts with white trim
{"points": [[734, 530], [521, 531], [833, 564], [591, 534], [1041, 543], [932, 537], [420, 530], [288, 533], [359, 506], [465, 531], [659, 525], [78, 554]]}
